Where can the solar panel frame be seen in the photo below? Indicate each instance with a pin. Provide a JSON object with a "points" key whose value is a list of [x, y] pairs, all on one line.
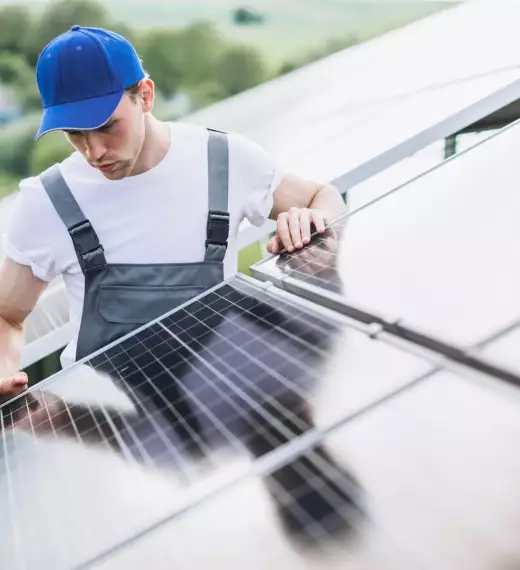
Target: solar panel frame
{"points": [[336, 302]]}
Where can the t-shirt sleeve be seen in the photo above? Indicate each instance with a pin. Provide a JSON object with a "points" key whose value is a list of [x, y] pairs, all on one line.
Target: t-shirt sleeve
{"points": [[32, 229], [256, 175]]}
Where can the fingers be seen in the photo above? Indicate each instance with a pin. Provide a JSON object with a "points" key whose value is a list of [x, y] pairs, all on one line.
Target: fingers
{"points": [[305, 225], [13, 386], [20, 378], [293, 229], [318, 220], [10, 388], [283, 232], [274, 245]]}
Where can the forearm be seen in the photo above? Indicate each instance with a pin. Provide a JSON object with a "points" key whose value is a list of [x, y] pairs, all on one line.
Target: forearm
{"points": [[329, 200], [11, 346]]}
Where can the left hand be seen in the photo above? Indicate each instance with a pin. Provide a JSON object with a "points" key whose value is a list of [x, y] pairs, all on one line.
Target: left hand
{"points": [[293, 229]]}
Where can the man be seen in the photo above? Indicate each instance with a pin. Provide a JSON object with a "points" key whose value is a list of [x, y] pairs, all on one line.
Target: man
{"points": [[144, 214]]}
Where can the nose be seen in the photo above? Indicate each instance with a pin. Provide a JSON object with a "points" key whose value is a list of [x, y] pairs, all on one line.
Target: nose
{"points": [[95, 149]]}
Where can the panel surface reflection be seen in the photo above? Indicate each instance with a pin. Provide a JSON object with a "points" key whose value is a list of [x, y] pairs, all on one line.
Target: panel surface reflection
{"points": [[106, 449], [439, 471], [439, 254]]}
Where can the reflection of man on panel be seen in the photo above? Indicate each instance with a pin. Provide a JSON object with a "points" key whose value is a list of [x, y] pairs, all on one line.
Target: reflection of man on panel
{"points": [[199, 402]]}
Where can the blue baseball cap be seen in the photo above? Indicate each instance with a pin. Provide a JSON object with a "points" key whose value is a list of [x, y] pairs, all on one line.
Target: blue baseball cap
{"points": [[82, 75]]}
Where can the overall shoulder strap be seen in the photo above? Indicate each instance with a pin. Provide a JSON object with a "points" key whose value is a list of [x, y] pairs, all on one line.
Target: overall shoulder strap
{"points": [[90, 252], [217, 231]]}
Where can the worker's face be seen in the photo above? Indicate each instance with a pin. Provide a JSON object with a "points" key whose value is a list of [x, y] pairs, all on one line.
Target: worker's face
{"points": [[115, 147]]}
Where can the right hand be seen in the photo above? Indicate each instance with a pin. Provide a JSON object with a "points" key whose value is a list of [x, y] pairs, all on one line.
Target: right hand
{"points": [[13, 386], [319, 257]]}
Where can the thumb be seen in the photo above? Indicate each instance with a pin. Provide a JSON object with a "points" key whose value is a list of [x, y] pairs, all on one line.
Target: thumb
{"points": [[273, 245], [20, 378], [17, 382]]}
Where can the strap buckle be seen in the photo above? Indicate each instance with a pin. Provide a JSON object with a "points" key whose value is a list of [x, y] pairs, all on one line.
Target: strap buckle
{"points": [[217, 228], [86, 243], [94, 260]]}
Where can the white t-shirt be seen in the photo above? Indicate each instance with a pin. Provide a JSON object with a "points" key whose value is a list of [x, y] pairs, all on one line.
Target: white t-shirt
{"points": [[155, 217]]}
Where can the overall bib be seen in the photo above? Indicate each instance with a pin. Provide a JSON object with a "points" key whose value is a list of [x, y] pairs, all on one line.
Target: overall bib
{"points": [[120, 297]]}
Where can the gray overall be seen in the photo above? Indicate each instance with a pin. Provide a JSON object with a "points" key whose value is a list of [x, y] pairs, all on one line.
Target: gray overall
{"points": [[120, 297]]}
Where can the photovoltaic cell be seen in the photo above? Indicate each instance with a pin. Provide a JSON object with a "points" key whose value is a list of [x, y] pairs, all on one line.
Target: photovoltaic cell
{"points": [[110, 447], [437, 256], [437, 471]]}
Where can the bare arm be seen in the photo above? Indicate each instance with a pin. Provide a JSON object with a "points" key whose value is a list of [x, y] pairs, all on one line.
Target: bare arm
{"points": [[297, 203], [38, 412], [19, 293], [294, 192]]}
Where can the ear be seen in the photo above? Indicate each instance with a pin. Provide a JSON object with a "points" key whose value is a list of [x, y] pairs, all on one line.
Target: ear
{"points": [[147, 93]]}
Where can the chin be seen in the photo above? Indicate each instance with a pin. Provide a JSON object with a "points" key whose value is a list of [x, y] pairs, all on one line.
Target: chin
{"points": [[116, 175], [119, 172]]}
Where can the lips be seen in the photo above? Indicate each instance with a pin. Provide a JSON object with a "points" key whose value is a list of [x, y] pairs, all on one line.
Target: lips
{"points": [[106, 167]]}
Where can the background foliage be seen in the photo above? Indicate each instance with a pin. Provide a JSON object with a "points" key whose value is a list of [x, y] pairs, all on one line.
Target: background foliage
{"points": [[190, 60]]}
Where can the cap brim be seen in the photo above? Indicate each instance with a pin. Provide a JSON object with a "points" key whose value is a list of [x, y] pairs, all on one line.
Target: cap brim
{"points": [[82, 115]]}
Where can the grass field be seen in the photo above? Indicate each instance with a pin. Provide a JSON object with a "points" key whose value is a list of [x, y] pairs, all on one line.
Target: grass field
{"points": [[248, 256]]}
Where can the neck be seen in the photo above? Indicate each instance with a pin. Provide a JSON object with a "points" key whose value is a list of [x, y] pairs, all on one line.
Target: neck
{"points": [[155, 146]]}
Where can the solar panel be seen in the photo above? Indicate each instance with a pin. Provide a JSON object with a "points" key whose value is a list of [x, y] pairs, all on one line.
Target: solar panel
{"points": [[437, 470], [103, 452], [436, 258], [359, 423]]}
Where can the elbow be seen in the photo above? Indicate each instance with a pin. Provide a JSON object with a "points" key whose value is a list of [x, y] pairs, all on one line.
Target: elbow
{"points": [[14, 324]]}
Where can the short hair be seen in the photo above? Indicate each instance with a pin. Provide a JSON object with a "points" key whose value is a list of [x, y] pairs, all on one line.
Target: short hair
{"points": [[134, 89]]}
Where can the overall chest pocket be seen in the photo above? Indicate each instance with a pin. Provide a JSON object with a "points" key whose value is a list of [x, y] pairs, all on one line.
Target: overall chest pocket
{"points": [[128, 304]]}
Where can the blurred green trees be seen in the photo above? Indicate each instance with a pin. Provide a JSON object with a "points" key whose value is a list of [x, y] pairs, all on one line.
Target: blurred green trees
{"points": [[240, 68], [58, 17], [17, 144], [52, 148], [15, 28], [13, 67], [178, 59], [194, 61]]}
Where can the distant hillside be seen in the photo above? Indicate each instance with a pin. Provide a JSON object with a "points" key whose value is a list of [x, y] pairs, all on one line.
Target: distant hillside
{"points": [[292, 28], [334, 15]]}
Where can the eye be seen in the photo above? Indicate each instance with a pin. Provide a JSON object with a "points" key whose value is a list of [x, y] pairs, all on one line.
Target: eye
{"points": [[107, 127]]}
